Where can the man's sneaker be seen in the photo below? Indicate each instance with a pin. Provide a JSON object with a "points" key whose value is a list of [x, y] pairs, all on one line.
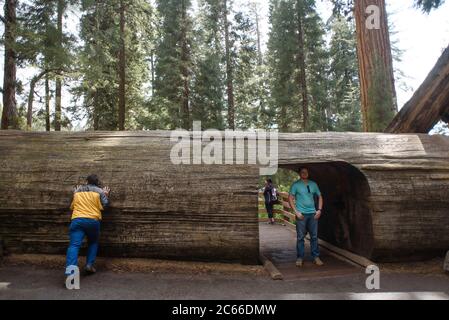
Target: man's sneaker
{"points": [[300, 263], [318, 262], [90, 270]]}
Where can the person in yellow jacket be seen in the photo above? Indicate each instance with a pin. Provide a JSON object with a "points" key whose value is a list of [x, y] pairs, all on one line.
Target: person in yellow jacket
{"points": [[88, 202]]}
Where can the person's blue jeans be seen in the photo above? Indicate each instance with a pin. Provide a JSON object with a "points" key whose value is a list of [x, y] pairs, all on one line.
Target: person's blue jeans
{"points": [[310, 225], [80, 228]]}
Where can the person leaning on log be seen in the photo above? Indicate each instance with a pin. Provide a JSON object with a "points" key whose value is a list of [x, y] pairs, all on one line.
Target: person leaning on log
{"points": [[302, 201], [88, 202]]}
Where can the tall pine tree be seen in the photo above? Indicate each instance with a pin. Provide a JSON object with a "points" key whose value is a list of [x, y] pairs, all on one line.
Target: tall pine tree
{"points": [[174, 62]]}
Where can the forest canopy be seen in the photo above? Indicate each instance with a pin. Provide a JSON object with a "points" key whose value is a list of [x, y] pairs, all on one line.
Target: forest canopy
{"points": [[145, 65]]}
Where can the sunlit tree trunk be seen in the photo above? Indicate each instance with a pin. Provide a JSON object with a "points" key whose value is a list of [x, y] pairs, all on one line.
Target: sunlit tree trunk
{"points": [[9, 114], [378, 92]]}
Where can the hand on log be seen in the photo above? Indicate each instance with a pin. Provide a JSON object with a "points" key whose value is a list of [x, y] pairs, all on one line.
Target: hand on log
{"points": [[107, 191]]}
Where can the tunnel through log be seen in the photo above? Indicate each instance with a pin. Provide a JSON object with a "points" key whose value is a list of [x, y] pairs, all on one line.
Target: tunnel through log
{"points": [[347, 221]]}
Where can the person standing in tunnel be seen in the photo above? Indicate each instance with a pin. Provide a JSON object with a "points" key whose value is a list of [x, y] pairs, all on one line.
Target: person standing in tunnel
{"points": [[271, 197], [88, 202], [302, 199]]}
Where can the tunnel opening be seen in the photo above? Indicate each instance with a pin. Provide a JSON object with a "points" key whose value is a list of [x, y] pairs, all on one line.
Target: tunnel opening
{"points": [[347, 220]]}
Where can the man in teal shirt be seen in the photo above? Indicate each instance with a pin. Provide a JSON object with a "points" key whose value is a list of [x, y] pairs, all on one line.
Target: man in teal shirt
{"points": [[302, 200]]}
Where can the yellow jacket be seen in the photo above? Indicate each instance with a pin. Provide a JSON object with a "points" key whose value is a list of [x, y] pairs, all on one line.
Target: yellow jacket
{"points": [[88, 202]]}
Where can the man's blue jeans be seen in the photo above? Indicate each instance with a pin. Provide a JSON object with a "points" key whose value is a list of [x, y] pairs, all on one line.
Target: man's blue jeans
{"points": [[310, 225], [80, 228]]}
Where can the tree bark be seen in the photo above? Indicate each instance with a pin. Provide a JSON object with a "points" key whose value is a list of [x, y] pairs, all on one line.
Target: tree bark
{"points": [[153, 73], [122, 69], [58, 91], [9, 114], [377, 86], [47, 104], [429, 104], [302, 79], [229, 70]]}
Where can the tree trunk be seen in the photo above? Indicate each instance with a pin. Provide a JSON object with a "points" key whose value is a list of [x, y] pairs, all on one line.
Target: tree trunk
{"points": [[122, 70], [429, 104], [33, 83], [283, 120], [9, 115], [153, 74], [96, 103], [377, 87], [302, 79], [47, 104], [96, 111], [229, 70], [259, 45], [185, 107], [58, 91]]}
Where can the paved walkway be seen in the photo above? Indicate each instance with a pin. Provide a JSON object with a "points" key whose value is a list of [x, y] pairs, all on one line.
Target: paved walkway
{"points": [[337, 280], [278, 244], [28, 282]]}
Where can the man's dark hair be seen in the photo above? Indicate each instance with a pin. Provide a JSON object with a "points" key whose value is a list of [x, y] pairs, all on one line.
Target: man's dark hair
{"points": [[93, 180], [270, 181], [303, 168]]}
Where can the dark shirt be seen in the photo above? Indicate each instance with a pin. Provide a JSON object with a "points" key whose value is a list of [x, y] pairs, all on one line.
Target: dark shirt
{"points": [[267, 191]]}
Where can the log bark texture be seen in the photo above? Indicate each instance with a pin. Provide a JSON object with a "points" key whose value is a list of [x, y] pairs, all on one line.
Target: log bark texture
{"points": [[159, 210], [429, 104], [386, 195]]}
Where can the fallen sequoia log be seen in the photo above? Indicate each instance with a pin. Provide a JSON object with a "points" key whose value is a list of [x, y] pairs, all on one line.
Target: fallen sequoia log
{"points": [[386, 195], [429, 104]]}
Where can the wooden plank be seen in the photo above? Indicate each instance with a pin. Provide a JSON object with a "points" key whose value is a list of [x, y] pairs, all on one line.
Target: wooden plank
{"points": [[359, 260], [275, 274], [290, 226], [289, 215], [286, 205]]}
